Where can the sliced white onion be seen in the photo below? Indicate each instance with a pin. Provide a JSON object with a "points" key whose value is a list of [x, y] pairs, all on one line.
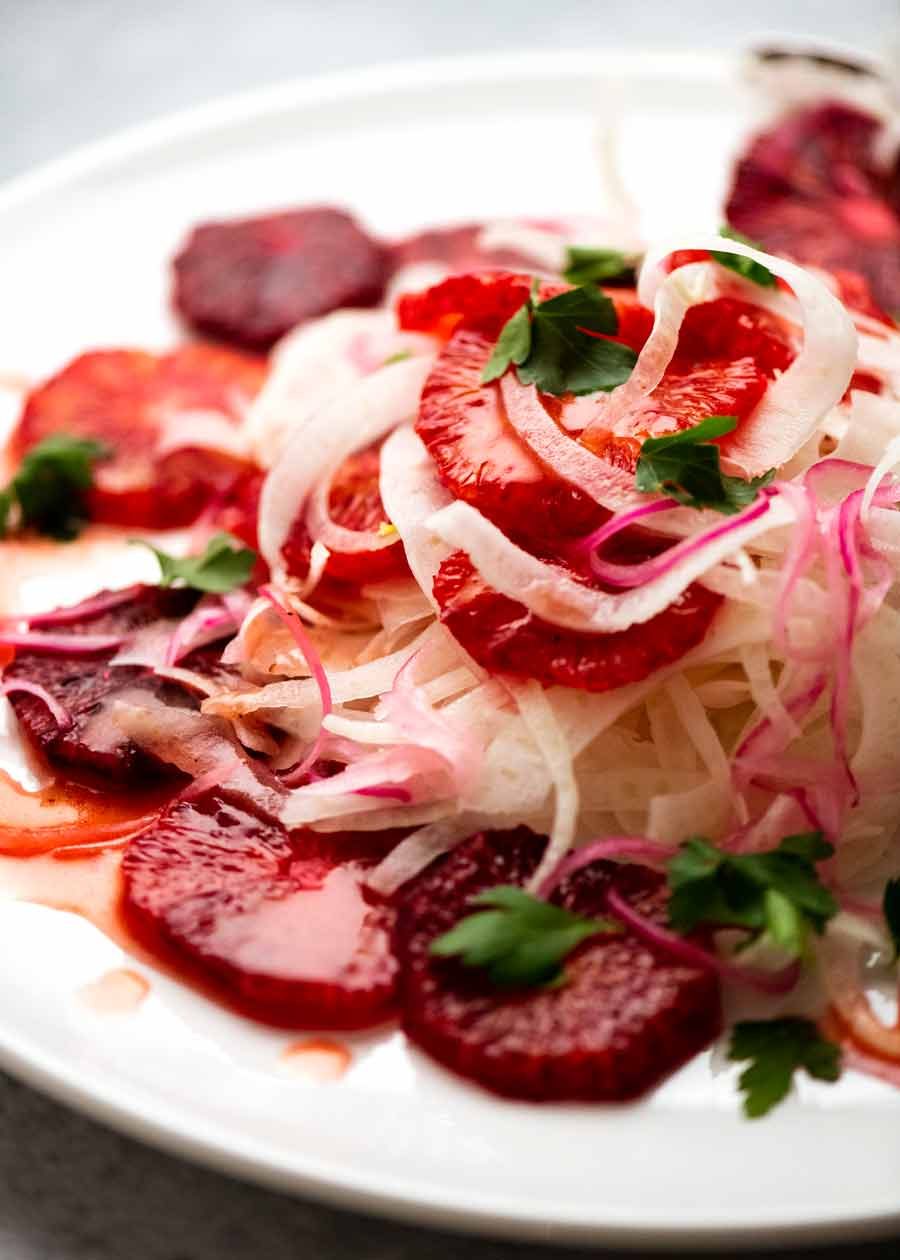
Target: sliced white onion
{"points": [[671, 300], [611, 487], [552, 595], [359, 416], [540, 720], [315, 363], [411, 494], [328, 533], [419, 850]]}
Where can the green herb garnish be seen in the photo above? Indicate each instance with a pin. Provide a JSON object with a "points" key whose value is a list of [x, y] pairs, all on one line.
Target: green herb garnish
{"points": [[685, 466], [585, 265], [778, 893], [560, 345], [776, 1049], [225, 564], [746, 267], [398, 357], [520, 940], [48, 492]]}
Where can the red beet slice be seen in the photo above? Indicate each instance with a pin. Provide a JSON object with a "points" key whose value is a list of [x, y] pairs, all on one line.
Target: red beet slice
{"points": [[279, 921], [355, 503], [92, 748], [625, 1018], [249, 281], [813, 187], [130, 400], [503, 636]]}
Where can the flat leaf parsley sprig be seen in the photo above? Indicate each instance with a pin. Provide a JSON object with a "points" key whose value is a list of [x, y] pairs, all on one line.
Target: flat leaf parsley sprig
{"points": [[48, 492], [224, 565], [562, 345], [519, 940], [686, 467]]}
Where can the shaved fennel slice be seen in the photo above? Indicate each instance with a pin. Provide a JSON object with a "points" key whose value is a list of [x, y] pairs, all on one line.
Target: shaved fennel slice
{"points": [[361, 682], [538, 716], [551, 594], [419, 850], [794, 405], [317, 362], [671, 300], [411, 494], [354, 419]]}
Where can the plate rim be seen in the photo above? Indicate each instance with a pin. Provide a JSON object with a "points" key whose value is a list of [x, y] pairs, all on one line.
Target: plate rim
{"points": [[124, 1108]]}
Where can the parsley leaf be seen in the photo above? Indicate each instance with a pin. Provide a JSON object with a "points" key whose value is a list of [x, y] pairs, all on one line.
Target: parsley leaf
{"points": [[559, 345], [585, 265], [746, 267], [48, 491], [778, 893], [225, 564], [520, 940], [397, 357], [513, 344], [890, 905], [685, 466], [776, 1049]]}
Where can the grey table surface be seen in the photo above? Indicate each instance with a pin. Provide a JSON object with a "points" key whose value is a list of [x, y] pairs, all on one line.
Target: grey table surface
{"points": [[73, 70]]}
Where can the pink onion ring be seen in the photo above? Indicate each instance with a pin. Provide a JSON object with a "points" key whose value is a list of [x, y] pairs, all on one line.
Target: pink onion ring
{"points": [[97, 604], [61, 644], [634, 848], [694, 956], [61, 715], [291, 620]]}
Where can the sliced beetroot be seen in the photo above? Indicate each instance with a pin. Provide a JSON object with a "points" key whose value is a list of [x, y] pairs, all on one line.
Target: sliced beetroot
{"points": [[504, 637], [814, 187], [355, 503], [93, 749], [249, 281], [625, 1017], [279, 921], [144, 408]]}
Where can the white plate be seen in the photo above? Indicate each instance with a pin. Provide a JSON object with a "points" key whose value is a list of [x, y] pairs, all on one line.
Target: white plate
{"points": [[83, 250]]}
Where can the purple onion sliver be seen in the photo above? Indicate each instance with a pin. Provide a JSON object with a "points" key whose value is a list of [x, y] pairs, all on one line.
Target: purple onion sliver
{"points": [[293, 623], [388, 791], [635, 848], [692, 955], [61, 644], [629, 575], [61, 715], [92, 607], [621, 521]]}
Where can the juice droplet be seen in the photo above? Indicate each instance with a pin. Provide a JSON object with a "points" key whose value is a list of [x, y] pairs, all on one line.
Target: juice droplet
{"points": [[118, 992], [318, 1061]]}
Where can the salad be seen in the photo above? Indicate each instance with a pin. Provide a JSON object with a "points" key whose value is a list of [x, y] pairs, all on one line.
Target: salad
{"points": [[508, 642]]}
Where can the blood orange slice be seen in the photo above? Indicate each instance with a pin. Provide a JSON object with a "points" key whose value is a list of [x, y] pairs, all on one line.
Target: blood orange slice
{"points": [[144, 407], [504, 637], [355, 503]]}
